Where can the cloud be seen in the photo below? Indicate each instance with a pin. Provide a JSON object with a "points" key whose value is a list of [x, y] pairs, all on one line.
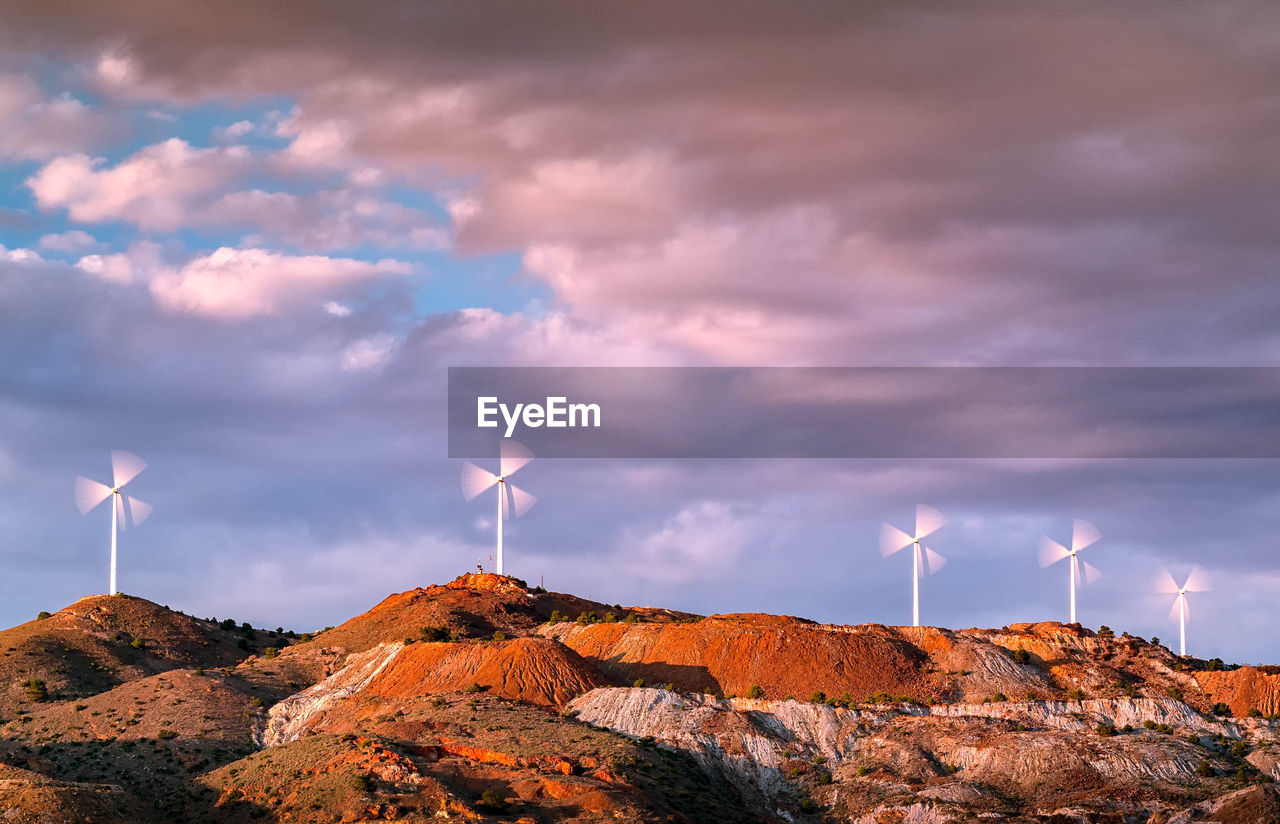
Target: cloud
{"points": [[71, 241], [20, 256], [171, 185], [240, 283], [701, 541], [369, 353], [156, 188], [38, 127], [823, 209]]}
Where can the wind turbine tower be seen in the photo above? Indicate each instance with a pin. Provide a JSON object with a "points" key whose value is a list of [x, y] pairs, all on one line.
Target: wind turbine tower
{"points": [[125, 466], [1197, 581], [923, 559], [512, 500], [1083, 534]]}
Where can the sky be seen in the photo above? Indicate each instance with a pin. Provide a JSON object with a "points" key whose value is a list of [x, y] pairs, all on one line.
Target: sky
{"points": [[246, 240]]}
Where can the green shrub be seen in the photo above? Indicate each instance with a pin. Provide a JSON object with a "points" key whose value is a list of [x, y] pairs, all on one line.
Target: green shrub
{"points": [[165, 735], [1076, 694], [434, 633], [639, 682], [137, 643], [474, 687], [1175, 692], [489, 799], [755, 692], [818, 697], [1204, 769], [557, 616], [1222, 710], [1021, 656], [37, 690], [1105, 631], [43, 615], [1106, 730], [499, 635], [270, 652]]}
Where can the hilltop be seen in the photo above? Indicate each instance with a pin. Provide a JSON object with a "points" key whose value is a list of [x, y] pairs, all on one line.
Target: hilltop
{"points": [[486, 699]]}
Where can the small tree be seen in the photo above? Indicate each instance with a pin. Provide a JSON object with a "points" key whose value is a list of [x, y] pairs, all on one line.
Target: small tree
{"points": [[1204, 769], [37, 690], [818, 697], [492, 801]]}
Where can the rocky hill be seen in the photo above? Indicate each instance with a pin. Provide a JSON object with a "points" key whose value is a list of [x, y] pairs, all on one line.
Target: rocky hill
{"points": [[483, 699]]}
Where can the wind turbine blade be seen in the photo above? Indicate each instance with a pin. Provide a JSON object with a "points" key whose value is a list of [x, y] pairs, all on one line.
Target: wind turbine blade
{"points": [[476, 480], [1083, 534], [125, 466], [1173, 610], [1091, 572], [521, 501], [118, 503], [138, 510], [512, 456], [1198, 580], [928, 520], [933, 561], [90, 493], [893, 539], [1051, 552], [1165, 583]]}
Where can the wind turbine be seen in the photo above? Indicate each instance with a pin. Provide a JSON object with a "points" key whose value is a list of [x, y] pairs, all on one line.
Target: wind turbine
{"points": [[512, 456], [923, 559], [1083, 534], [1197, 581], [125, 466]]}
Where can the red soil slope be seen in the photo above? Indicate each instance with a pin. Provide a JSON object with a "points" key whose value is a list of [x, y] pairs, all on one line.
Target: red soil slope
{"points": [[729, 653], [1245, 689], [534, 670]]}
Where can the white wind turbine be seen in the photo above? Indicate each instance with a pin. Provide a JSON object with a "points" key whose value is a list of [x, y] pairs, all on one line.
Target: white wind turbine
{"points": [[923, 559], [125, 466], [511, 457], [1083, 534], [1197, 581]]}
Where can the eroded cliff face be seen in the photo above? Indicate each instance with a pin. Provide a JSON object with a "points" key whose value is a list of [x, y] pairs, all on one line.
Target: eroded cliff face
{"points": [[532, 670], [942, 762]]}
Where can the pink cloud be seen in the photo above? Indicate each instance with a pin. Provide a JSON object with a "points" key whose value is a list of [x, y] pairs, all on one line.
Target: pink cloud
{"points": [[240, 283], [156, 188], [37, 126]]}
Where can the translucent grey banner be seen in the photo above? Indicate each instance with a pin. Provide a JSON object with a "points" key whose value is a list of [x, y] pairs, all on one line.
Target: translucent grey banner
{"points": [[867, 412]]}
